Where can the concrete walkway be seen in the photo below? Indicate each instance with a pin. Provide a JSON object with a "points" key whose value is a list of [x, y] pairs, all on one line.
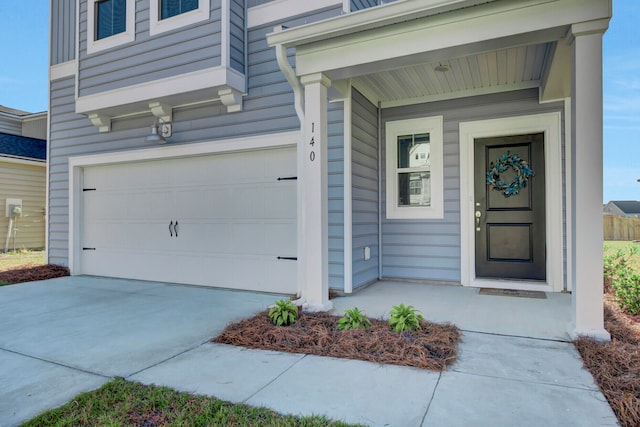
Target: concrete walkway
{"points": [[68, 335]]}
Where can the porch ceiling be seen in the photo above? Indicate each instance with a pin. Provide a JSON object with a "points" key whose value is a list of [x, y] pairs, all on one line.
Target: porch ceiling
{"points": [[495, 71]]}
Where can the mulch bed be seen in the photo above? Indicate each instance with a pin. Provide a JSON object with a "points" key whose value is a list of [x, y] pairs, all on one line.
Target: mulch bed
{"points": [[615, 366], [433, 347], [29, 274]]}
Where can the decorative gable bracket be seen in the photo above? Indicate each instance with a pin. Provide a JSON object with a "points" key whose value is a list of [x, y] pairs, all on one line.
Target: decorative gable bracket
{"points": [[232, 99], [102, 122]]}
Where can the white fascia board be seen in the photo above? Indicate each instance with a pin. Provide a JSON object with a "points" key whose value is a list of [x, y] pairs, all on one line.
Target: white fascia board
{"points": [[366, 19], [65, 69], [518, 22], [279, 10], [23, 161], [209, 78]]}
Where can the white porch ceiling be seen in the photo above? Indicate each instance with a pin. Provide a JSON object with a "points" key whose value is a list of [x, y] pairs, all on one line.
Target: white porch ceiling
{"points": [[495, 71]]}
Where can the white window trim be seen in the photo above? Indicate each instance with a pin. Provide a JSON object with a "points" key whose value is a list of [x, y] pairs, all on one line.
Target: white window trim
{"points": [[432, 125], [157, 25], [127, 36]]}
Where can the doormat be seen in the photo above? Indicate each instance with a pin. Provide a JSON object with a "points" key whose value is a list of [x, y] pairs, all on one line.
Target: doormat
{"points": [[513, 293]]}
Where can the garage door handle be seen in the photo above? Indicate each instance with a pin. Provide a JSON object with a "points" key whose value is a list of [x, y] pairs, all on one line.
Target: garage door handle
{"points": [[175, 228], [170, 231]]}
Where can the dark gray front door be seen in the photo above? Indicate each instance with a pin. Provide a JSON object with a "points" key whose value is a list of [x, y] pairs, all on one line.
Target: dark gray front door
{"points": [[510, 229]]}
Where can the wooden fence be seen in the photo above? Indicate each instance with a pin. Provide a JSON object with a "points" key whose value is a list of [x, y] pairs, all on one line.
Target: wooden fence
{"points": [[619, 228]]}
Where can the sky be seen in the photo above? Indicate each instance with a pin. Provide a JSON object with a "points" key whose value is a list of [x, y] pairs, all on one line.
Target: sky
{"points": [[24, 74]]}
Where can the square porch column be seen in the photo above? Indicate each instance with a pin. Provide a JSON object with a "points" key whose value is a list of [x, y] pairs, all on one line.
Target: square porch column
{"points": [[587, 316], [316, 248]]}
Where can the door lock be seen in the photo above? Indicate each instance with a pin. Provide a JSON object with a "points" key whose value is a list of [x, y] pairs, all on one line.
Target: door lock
{"points": [[478, 215]]}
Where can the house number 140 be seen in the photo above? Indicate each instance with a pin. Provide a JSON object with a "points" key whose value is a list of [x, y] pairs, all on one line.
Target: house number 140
{"points": [[312, 143]]}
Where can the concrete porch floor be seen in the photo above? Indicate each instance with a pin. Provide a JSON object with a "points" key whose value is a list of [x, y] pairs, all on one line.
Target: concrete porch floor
{"points": [[467, 308]]}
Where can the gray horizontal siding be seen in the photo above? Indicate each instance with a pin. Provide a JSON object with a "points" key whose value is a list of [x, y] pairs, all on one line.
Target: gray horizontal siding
{"points": [[335, 166], [237, 36], [362, 4], [10, 126], [25, 182], [268, 108], [168, 54], [63, 31], [430, 249], [251, 3], [364, 164]]}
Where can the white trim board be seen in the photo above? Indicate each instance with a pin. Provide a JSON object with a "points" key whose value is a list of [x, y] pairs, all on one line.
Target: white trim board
{"points": [[550, 124], [279, 10], [78, 163]]}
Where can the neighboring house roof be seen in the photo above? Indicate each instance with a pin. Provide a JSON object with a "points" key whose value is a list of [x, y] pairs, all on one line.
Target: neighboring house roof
{"points": [[629, 207], [13, 111], [23, 147]]}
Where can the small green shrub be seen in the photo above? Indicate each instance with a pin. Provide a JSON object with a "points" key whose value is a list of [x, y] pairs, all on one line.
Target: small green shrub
{"points": [[627, 290], [353, 319], [404, 317], [4, 282], [284, 313]]}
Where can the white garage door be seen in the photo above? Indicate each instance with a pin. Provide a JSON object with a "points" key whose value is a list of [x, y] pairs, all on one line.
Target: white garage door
{"points": [[218, 220]]}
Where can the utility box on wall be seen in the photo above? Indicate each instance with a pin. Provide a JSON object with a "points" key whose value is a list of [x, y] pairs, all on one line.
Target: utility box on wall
{"points": [[13, 208]]}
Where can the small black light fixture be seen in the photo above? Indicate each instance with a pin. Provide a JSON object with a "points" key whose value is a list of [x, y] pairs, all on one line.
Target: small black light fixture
{"points": [[159, 132]]}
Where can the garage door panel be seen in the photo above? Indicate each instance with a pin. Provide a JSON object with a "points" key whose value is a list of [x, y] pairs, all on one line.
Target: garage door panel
{"points": [[235, 218]]}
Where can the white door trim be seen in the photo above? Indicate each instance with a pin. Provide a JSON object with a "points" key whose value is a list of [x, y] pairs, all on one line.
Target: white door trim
{"points": [[550, 124], [78, 163]]}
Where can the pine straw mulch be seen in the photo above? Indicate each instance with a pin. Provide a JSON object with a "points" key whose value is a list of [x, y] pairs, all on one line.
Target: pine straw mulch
{"points": [[433, 347], [30, 274], [616, 365]]}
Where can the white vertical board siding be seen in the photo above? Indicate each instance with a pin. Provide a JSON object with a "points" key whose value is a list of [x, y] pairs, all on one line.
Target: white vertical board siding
{"points": [[25, 182], [63, 31], [336, 195], [364, 188], [430, 249], [194, 47]]}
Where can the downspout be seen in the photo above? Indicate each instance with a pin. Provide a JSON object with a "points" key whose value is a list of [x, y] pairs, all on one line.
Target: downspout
{"points": [[6, 243], [347, 195], [298, 94], [379, 190]]}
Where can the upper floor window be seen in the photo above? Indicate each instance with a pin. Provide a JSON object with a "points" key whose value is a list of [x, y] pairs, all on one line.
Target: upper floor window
{"points": [[111, 18], [109, 23], [414, 174], [167, 15], [171, 8]]}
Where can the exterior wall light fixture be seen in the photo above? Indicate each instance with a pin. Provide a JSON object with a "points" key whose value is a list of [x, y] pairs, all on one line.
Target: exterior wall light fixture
{"points": [[159, 132]]}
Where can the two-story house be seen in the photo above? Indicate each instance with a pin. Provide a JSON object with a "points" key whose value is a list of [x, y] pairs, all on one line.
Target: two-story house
{"points": [[268, 145], [23, 179]]}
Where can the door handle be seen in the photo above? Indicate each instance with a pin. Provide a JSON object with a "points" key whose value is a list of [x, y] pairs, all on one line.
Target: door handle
{"points": [[478, 214], [170, 231], [175, 228]]}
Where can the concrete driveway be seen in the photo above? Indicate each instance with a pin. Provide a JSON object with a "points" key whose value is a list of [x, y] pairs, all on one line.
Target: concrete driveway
{"points": [[64, 336]]}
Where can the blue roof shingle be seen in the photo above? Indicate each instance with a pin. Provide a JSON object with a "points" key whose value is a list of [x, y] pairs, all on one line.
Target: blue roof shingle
{"points": [[21, 146]]}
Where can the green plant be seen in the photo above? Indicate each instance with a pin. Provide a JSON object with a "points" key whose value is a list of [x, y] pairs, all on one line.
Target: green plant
{"points": [[627, 290], [353, 319], [284, 313], [404, 317]]}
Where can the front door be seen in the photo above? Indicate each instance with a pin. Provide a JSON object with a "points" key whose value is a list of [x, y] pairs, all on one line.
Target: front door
{"points": [[510, 207]]}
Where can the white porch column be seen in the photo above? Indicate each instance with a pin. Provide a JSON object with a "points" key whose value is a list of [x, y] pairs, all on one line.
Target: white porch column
{"points": [[586, 190], [316, 248]]}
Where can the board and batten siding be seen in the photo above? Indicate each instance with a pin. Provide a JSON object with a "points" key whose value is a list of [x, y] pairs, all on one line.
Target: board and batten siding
{"points": [[430, 249], [149, 57], [63, 31], [364, 164], [267, 108], [26, 182]]}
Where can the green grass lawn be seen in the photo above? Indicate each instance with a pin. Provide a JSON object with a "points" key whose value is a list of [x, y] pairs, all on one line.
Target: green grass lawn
{"points": [[20, 259], [123, 403]]}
